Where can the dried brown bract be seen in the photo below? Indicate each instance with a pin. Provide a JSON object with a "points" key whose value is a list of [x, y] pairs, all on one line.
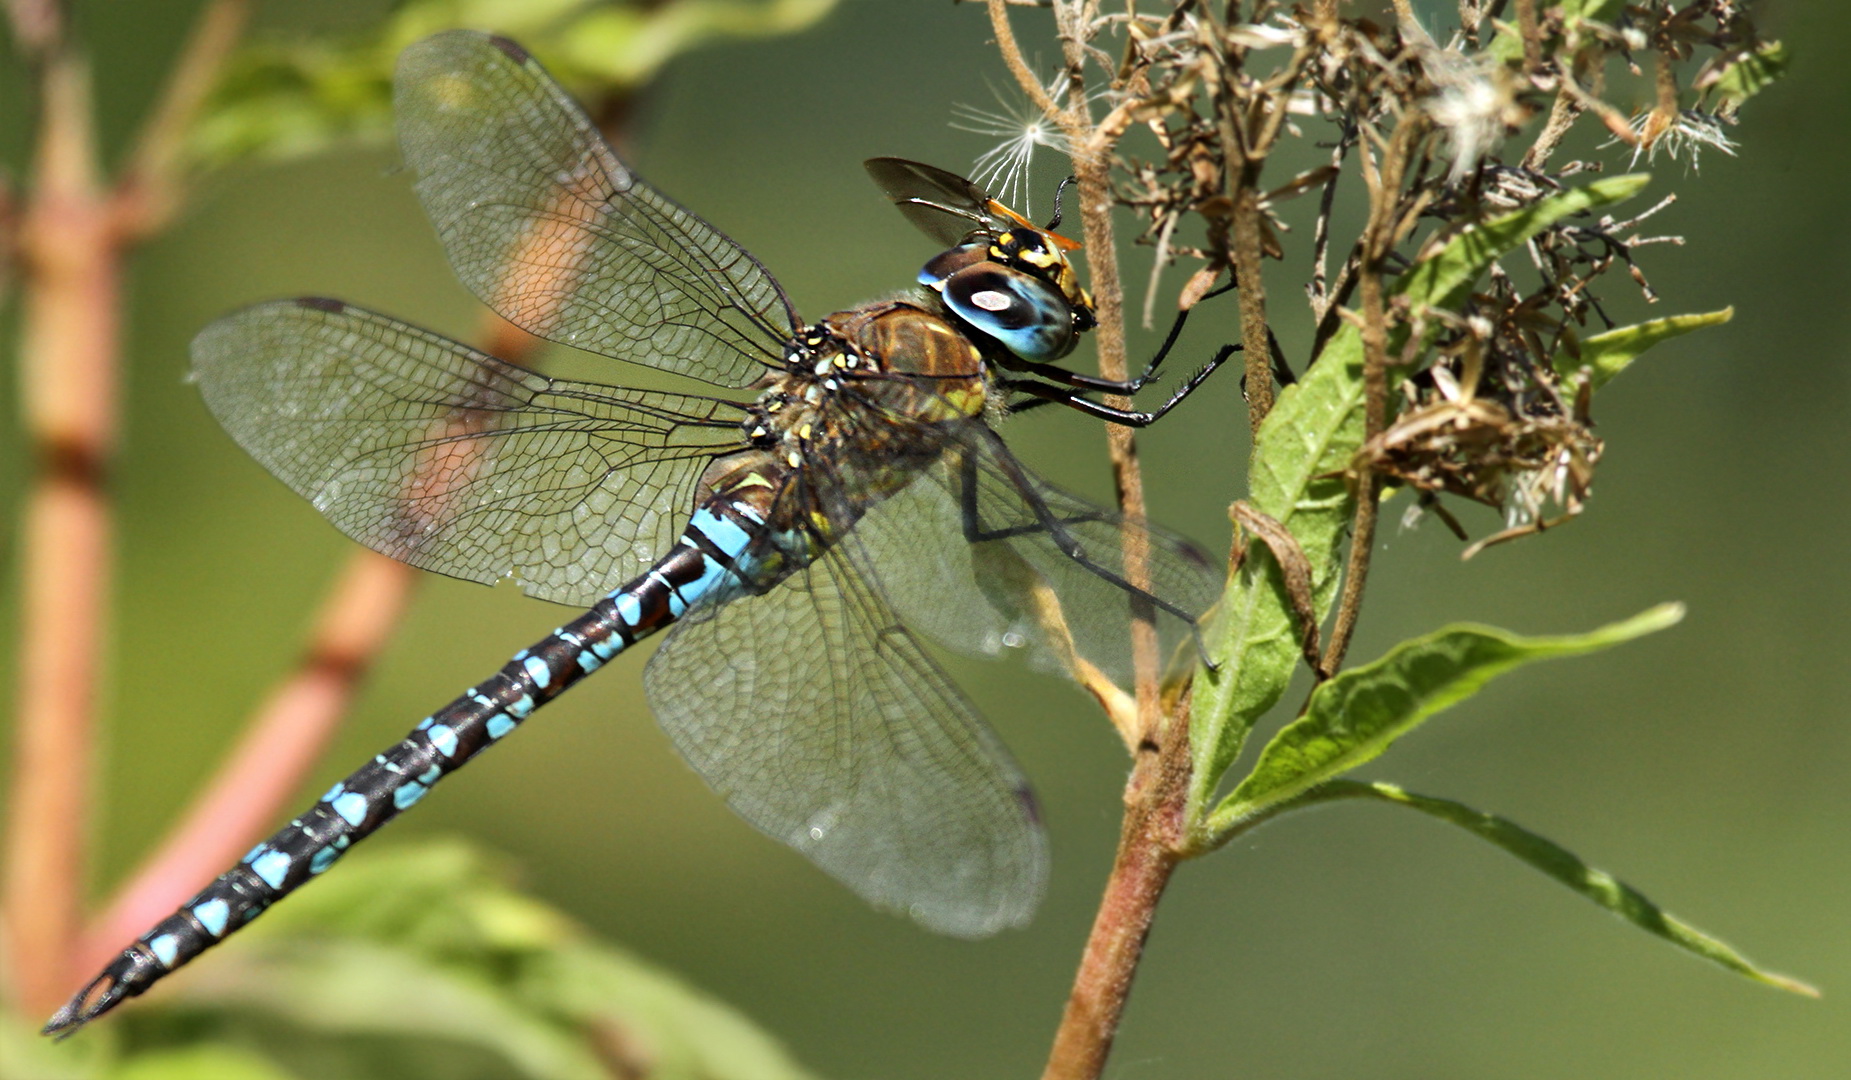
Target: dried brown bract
{"points": [[1430, 130]]}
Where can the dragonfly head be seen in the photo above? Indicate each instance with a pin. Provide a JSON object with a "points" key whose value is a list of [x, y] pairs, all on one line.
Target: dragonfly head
{"points": [[1015, 287], [1043, 254]]}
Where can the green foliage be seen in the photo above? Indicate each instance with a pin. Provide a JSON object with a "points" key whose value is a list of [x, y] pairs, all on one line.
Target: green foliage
{"points": [[1296, 477], [1747, 74], [427, 944], [1601, 357], [283, 99], [1564, 866], [1355, 715], [1301, 458], [1507, 46]]}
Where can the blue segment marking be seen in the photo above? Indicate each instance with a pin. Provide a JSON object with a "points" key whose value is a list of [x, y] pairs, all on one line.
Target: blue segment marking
{"points": [[538, 671], [271, 867], [682, 597], [334, 792], [406, 794], [589, 661], [251, 855], [213, 914], [520, 707], [722, 533], [351, 807], [499, 724], [443, 738], [166, 949], [324, 859], [629, 609], [431, 775]]}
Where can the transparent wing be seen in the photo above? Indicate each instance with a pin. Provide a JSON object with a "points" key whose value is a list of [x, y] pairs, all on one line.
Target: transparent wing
{"points": [[818, 718], [984, 556], [943, 205], [451, 460], [542, 221]]}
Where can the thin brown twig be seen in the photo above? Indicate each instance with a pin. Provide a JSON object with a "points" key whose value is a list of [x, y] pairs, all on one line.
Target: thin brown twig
{"points": [[1384, 228], [1157, 789], [149, 189], [1095, 203], [1531, 33], [1562, 116]]}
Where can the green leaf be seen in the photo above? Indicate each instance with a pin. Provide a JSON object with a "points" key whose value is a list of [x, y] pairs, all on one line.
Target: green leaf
{"points": [[1606, 355], [200, 1063], [1751, 73], [1359, 713], [280, 99], [27, 1055], [1566, 867], [425, 942], [1508, 47], [1296, 477]]}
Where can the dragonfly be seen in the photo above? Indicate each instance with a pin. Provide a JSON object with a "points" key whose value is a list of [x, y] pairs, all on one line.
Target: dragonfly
{"points": [[800, 534]]}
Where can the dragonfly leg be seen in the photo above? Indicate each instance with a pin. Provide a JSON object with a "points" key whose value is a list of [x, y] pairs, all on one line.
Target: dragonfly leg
{"points": [[1072, 397], [1046, 521]]}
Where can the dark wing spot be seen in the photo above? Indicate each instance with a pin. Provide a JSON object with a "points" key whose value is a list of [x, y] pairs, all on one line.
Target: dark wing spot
{"points": [[515, 52], [1030, 805], [321, 303]]}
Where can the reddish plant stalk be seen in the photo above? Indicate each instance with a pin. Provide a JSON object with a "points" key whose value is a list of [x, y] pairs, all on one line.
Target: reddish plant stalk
{"points": [[1148, 851], [253, 786], [286, 737], [71, 278]]}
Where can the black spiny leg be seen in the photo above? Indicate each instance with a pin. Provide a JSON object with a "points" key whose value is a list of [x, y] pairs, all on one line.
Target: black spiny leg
{"points": [[1070, 396], [1047, 521], [1052, 384]]}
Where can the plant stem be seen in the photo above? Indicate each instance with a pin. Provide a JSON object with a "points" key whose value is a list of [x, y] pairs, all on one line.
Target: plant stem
{"points": [[71, 276], [1148, 846], [285, 737]]}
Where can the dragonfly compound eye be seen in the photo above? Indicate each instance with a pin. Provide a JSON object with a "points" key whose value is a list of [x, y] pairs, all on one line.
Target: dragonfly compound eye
{"points": [[1028, 316]]}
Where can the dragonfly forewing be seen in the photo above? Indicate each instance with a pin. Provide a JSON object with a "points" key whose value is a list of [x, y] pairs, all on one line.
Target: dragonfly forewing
{"points": [[451, 460], [544, 224]]}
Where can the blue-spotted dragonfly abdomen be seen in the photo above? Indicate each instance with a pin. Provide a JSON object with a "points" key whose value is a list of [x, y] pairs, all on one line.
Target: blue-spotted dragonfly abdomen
{"points": [[799, 535]]}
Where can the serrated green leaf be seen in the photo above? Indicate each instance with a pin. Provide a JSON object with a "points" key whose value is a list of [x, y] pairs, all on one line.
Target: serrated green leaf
{"points": [[1296, 477], [1566, 867], [1752, 73], [1606, 355], [1359, 713], [200, 1063]]}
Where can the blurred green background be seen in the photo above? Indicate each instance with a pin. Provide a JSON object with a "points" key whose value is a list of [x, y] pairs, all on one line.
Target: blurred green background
{"points": [[1707, 765]]}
